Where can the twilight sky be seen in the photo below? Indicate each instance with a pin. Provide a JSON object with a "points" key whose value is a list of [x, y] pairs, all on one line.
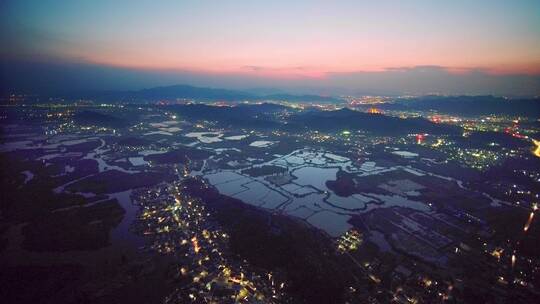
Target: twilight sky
{"points": [[331, 47]]}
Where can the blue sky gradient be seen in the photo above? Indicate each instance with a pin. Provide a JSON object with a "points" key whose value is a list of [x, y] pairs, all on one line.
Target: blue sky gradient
{"points": [[330, 46]]}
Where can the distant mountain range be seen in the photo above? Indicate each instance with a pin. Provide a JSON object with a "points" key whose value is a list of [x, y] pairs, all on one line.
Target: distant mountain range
{"points": [[263, 116], [191, 92]]}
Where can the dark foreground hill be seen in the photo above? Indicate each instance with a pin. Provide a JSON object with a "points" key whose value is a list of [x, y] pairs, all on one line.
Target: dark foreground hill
{"points": [[263, 116], [346, 119], [99, 119], [248, 116]]}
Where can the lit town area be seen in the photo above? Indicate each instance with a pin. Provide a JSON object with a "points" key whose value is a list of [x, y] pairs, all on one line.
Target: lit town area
{"points": [[359, 200]]}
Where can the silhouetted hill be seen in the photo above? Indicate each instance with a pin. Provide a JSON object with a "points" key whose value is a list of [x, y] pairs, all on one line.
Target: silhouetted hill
{"points": [[260, 116], [250, 116], [266, 108], [491, 141], [99, 119], [191, 92], [299, 98], [346, 119], [185, 91]]}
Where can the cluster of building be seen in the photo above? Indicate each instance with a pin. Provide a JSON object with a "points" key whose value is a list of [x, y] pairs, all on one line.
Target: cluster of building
{"points": [[179, 225], [349, 241]]}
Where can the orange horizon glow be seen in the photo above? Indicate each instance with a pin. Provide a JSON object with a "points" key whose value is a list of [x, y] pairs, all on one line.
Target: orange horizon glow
{"points": [[470, 44], [298, 71]]}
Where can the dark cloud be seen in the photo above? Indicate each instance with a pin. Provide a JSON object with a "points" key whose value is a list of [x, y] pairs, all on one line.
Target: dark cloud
{"points": [[253, 68]]}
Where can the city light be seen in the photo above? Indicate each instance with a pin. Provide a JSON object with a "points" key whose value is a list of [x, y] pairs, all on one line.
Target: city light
{"points": [[536, 150]]}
